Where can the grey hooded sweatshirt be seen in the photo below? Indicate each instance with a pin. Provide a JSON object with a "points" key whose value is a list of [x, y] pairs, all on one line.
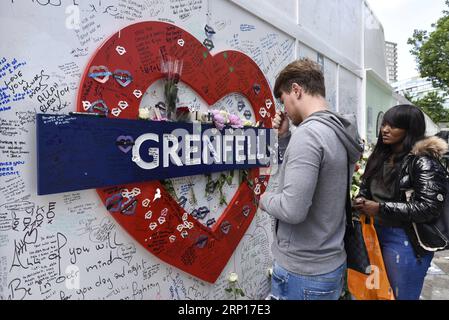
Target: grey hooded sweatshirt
{"points": [[309, 203]]}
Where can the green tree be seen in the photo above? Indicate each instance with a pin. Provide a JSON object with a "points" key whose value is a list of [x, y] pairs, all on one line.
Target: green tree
{"points": [[431, 51], [433, 105]]}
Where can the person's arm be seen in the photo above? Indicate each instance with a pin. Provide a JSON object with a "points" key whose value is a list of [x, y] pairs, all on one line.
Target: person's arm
{"points": [[429, 185], [364, 191], [293, 202]]}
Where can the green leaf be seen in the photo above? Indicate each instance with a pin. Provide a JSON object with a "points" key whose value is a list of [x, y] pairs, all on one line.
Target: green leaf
{"points": [[431, 50]]}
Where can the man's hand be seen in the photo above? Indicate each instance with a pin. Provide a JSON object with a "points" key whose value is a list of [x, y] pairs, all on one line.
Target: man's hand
{"points": [[281, 123]]}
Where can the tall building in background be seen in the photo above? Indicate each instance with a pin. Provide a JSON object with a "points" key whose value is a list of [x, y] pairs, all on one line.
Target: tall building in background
{"points": [[391, 53], [417, 88]]}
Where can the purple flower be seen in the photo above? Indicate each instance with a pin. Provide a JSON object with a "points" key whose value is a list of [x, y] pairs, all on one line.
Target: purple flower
{"points": [[235, 121], [219, 119]]}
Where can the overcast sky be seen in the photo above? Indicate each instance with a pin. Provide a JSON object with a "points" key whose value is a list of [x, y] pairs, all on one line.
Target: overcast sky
{"points": [[399, 18]]}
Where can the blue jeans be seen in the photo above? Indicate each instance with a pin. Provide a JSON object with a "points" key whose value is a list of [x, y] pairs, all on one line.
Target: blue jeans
{"points": [[286, 285], [405, 272]]}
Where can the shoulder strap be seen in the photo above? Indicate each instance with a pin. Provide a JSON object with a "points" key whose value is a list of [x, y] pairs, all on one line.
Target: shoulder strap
{"points": [[348, 197]]}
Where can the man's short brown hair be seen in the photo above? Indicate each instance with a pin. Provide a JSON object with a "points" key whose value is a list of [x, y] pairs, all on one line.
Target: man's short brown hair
{"points": [[305, 73]]}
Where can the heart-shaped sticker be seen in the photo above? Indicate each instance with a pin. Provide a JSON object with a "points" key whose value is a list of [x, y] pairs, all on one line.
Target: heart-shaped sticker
{"points": [[99, 73], [123, 77], [123, 105], [225, 227], [209, 30], [240, 106], [137, 93], [120, 50], [209, 44], [114, 203], [116, 112], [125, 143], [99, 106], [268, 103], [86, 105], [202, 241], [202, 250], [129, 207]]}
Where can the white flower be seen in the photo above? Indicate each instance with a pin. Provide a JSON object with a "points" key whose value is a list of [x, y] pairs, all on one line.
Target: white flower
{"points": [[144, 113], [225, 115], [233, 277]]}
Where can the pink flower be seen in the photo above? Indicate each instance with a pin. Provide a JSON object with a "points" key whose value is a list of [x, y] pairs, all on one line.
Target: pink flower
{"points": [[219, 119], [235, 121], [161, 119]]}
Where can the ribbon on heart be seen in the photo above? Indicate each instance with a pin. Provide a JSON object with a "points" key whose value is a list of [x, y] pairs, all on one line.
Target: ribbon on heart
{"points": [[180, 240], [99, 73]]}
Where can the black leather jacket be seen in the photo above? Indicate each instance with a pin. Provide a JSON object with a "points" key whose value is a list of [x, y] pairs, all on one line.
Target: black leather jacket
{"points": [[421, 193]]}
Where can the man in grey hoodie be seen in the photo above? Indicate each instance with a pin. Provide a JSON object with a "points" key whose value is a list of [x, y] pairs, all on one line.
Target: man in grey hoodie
{"points": [[309, 203]]}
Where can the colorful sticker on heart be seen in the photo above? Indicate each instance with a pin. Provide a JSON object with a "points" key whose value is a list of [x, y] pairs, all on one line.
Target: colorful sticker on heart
{"points": [[125, 143], [129, 207], [99, 73], [114, 203], [123, 77], [100, 107]]}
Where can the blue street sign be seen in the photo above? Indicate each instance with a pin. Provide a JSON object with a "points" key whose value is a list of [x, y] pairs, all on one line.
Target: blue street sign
{"points": [[76, 152]]}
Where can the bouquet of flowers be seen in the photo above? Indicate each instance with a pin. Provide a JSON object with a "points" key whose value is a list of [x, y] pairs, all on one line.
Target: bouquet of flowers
{"points": [[359, 171], [221, 118], [172, 70]]}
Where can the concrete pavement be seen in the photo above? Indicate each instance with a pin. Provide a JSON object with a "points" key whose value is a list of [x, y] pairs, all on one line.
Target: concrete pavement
{"points": [[436, 284]]}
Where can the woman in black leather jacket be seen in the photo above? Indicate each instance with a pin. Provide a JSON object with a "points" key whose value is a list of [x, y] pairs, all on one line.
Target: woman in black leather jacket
{"points": [[404, 188]]}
